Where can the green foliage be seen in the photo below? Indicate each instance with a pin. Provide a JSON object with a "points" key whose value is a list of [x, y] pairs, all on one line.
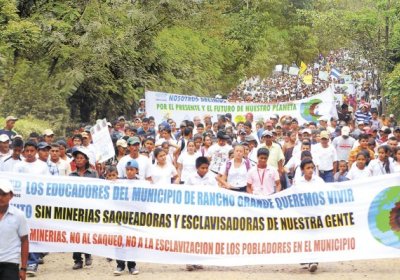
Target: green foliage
{"points": [[28, 124]]}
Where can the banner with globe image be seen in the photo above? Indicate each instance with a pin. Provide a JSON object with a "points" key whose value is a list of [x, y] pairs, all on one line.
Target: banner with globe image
{"points": [[163, 106], [180, 224]]}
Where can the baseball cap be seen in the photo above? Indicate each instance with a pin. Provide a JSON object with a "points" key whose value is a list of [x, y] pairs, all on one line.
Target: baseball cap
{"points": [[48, 132], [323, 119], [242, 131], [122, 143], [133, 140], [250, 138], [391, 116], [222, 135], [306, 130], [267, 133], [43, 145], [6, 186], [11, 118], [120, 118], [397, 128], [324, 134], [345, 130], [76, 150], [4, 138], [132, 163]]}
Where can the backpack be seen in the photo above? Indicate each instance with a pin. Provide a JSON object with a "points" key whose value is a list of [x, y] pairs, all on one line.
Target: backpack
{"points": [[229, 164]]}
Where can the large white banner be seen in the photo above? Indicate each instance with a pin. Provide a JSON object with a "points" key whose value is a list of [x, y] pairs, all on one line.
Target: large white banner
{"points": [[180, 224], [163, 105]]}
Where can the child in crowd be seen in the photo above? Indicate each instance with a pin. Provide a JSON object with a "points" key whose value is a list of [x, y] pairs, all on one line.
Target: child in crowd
{"points": [[359, 169], [340, 176], [307, 167], [396, 163], [132, 169], [383, 164], [202, 177], [162, 172], [263, 179]]}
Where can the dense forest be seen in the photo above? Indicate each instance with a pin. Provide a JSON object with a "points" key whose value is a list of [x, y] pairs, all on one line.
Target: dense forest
{"points": [[77, 60]]}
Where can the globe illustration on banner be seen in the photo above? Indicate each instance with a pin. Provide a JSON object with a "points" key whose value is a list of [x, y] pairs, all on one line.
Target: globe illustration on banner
{"points": [[307, 110], [384, 217]]}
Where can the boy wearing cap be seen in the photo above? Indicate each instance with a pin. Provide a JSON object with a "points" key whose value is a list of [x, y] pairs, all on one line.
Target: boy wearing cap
{"points": [[131, 169], [8, 129], [14, 245]]}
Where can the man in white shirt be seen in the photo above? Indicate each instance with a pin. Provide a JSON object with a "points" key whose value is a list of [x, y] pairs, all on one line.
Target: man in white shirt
{"points": [[63, 167], [32, 165], [88, 148], [326, 156], [143, 161], [343, 144], [4, 146], [14, 245]]}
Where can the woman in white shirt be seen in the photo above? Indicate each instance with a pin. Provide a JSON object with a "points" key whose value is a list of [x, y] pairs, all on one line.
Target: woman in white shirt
{"points": [[187, 162], [234, 175], [383, 164], [162, 172], [396, 163], [359, 169]]}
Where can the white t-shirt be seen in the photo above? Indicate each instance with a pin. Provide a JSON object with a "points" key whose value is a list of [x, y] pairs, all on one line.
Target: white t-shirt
{"points": [[356, 173], [37, 167], [237, 177], [206, 180], [7, 164], [343, 146], [315, 179], [162, 175], [64, 167], [219, 155], [144, 166], [376, 167], [188, 163], [326, 156]]}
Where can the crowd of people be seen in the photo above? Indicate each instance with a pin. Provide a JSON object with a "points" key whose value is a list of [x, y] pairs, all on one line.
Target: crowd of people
{"points": [[259, 158], [253, 157], [283, 86]]}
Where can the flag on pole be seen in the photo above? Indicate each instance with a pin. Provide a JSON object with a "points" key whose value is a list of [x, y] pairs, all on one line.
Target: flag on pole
{"points": [[335, 73], [303, 68]]}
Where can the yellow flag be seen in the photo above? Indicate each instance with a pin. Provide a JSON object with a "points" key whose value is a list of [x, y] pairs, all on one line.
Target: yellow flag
{"points": [[303, 68], [307, 79]]}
